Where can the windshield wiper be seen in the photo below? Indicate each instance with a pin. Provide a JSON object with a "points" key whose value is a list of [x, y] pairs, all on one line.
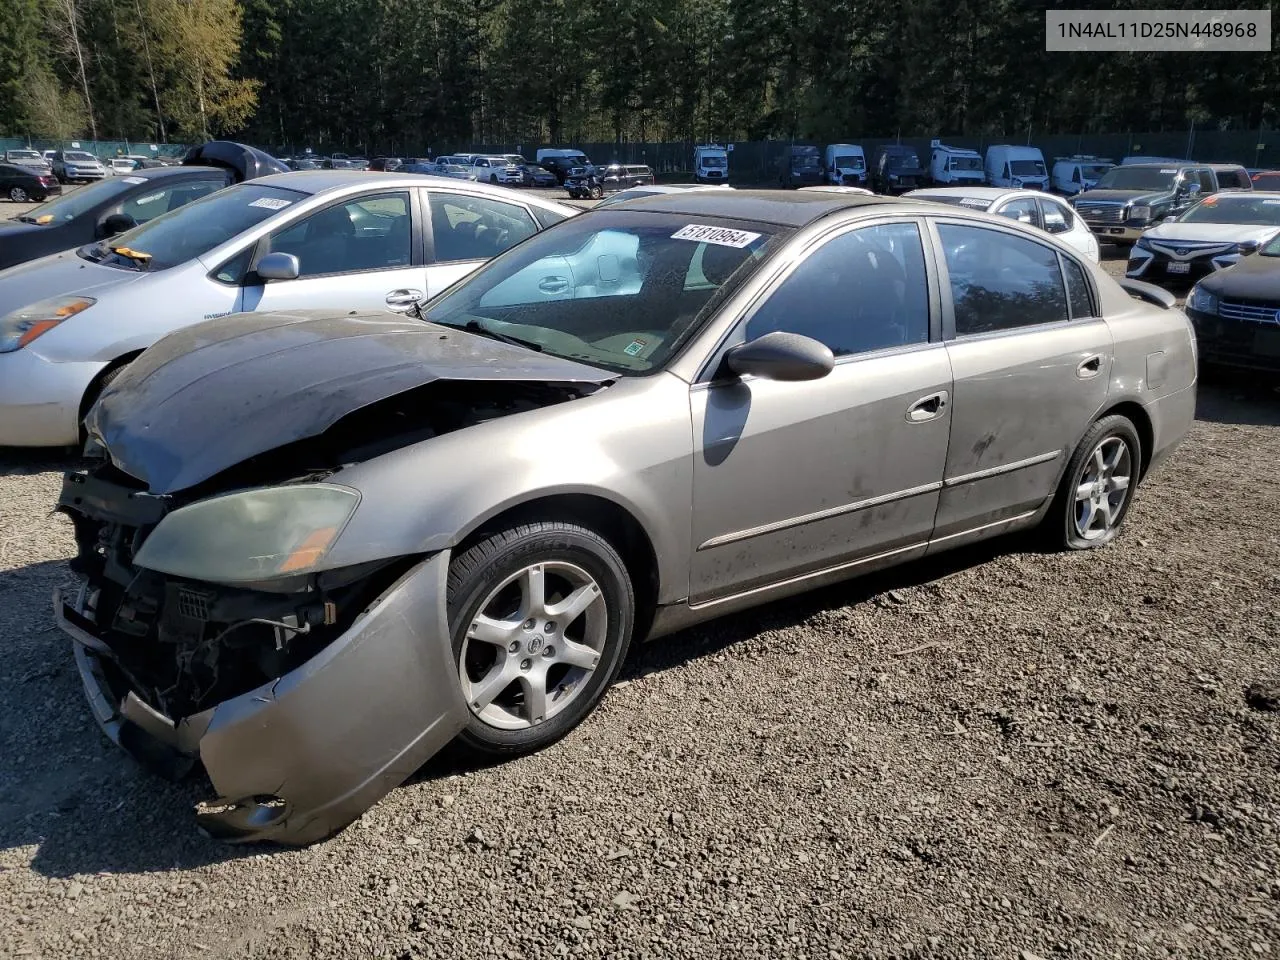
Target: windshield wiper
{"points": [[477, 326]]}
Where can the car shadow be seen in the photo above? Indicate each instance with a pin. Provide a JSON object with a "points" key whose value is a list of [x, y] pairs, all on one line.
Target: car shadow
{"points": [[1245, 398], [66, 792], [21, 461]]}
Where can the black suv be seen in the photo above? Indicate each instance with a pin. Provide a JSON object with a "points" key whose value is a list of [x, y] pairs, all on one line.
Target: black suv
{"points": [[801, 167], [1131, 197], [595, 182], [896, 169]]}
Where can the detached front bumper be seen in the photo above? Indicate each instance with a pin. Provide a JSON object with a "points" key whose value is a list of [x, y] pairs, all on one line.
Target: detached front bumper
{"points": [[297, 759]]}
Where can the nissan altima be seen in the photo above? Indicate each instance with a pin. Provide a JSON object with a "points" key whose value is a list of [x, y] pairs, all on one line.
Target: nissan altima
{"points": [[402, 531], [71, 322]]}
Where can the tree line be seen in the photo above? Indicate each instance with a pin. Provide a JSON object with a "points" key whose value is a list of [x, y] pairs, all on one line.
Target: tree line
{"points": [[403, 76]]}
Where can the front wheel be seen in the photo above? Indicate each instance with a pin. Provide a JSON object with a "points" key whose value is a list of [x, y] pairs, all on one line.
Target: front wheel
{"points": [[1097, 487], [18, 195], [597, 192], [493, 178], [541, 617]]}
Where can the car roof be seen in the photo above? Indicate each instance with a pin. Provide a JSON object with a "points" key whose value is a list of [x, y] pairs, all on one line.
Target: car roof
{"points": [[978, 193], [1164, 163], [332, 181], [777, 207]]}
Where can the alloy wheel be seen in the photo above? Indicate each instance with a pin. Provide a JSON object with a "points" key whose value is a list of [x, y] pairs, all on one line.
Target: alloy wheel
{"points": [[532, 644], [1103, 488], [18, 195]]}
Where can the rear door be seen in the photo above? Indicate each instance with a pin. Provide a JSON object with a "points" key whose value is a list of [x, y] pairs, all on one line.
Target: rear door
{"points": [[358, 253], [463, 230], [1031, 362]]}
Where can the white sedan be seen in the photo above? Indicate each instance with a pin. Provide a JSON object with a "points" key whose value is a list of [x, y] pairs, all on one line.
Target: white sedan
{"points": [[325, 239], [1043, 210]]}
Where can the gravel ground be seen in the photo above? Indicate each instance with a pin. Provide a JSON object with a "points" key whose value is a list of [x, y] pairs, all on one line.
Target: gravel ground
{"points": [[997, 754]]}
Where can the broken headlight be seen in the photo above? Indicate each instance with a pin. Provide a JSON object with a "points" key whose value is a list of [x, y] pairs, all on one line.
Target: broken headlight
{"points": [[250, 536]]}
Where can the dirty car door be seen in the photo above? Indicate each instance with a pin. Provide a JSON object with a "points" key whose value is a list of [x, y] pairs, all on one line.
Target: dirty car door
{"points": [[792, 478], [1031, 365]]}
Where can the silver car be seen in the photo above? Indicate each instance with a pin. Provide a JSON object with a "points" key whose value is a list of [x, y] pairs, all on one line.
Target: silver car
{"points": [[321, 545], [69, 323]]}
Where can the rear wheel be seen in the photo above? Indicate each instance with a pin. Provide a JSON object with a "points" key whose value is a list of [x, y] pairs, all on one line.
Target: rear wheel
{"points": [[541, 617], [1097, 487], [18, 195], [597, 192]]}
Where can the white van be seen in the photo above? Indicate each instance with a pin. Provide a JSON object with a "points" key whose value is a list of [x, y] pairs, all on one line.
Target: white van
{"points": [[954, 166], [844, 164], [1010, 166], [710, 164], [1071, 175]]}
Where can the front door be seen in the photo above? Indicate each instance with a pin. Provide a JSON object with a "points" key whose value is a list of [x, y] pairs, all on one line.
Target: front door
{"points": [[1031, 361], [792, 478], [356, 254]]}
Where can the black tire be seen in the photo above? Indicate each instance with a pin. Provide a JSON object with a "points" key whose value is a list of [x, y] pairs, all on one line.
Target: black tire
{"points": [[1060, 523], [95, 391], [478, 571], [493, 178], [597, 192]]}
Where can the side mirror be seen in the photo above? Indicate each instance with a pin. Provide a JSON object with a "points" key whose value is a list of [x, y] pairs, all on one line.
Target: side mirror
{"points": [[116, 223], [278, 266], [781, 356]]}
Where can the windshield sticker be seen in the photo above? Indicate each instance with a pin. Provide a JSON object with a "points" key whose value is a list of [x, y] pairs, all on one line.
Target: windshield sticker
{"points": [[135, 179], [1271, 203], [271, 203], [1168, 169], [721, 236], [150, 198], [634, 348], [974, 202]]}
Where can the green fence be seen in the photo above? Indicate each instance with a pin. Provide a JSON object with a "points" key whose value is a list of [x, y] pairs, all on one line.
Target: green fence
{"points": [[103, 149]]}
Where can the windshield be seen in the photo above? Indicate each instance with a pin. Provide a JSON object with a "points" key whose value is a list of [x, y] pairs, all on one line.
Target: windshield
{"points": [[1272, 249], [1092, 171], [802, 161], [1138, 178], [196, 228], [23, 155], [71, 205], [973, 203], [79, 157], [902, 160], [1225, 208], [711, 161], [1026, 168], [849, 163], [969, 163], [618, 289]]}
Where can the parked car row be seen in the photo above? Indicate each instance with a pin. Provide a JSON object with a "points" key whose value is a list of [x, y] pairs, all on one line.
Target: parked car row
{"points": [[249, 577]]}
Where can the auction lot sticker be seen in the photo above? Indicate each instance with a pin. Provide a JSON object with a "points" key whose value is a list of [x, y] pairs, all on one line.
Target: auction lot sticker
{"points": [[722, 236], [1151, 30]]}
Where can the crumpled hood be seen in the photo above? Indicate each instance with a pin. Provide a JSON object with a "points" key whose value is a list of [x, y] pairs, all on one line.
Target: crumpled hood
{"points": [[213, 395], [1213, 232], [1254, 277], [1124, 196], [59, 275]]}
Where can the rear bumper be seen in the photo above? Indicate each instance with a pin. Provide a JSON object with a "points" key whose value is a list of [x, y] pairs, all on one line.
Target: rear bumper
{"points": [[298, 759]]}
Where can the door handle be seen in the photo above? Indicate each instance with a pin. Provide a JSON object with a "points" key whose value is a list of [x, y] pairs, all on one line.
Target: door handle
{"points": [[1089, 368], [402, 300], [926, 408], [554, 285]]}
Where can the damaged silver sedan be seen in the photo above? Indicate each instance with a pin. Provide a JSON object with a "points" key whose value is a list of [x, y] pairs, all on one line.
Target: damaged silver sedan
{"points": [[320, 546]]}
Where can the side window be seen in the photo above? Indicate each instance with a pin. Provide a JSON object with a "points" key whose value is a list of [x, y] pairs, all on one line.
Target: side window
{"points": [[1075, 174], [863, 290], [1023, 210], [1077, 290], [232, 272], [368, 233], [1006, 171], [1207, 182], [999, 281], [1057, 218], [475, 228]]}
